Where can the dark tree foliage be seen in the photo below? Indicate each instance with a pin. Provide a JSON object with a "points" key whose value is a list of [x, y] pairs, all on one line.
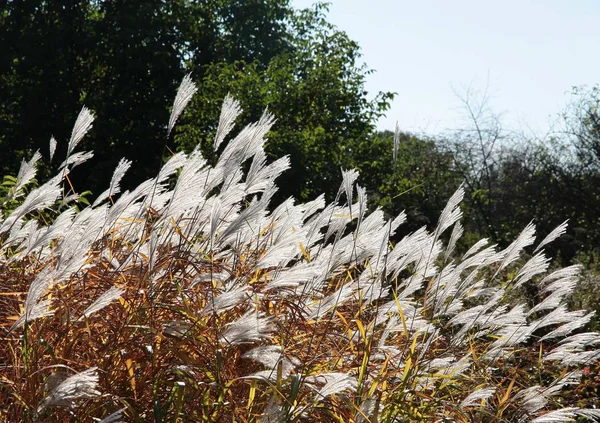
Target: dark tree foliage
{"points": [[123, 59], [135, 67], [316, 91], [44, 65]]}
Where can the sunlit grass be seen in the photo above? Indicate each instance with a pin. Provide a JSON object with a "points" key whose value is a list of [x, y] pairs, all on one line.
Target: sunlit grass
{"points": [[203, 301]]}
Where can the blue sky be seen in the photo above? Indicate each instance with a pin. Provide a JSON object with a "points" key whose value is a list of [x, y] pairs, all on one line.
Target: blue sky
{"points": [[527, 53]]}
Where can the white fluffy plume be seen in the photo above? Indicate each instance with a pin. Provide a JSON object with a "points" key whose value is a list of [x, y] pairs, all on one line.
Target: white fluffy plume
{"points": [[185, 92], [79, 386], [82, 125]]}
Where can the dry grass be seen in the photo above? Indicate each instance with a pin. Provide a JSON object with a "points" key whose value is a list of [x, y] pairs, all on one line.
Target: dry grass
{"points": [[213, 308]]}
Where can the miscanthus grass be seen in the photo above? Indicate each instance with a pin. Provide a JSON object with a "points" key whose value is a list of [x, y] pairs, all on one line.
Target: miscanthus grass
{"points": [[194, 298]]}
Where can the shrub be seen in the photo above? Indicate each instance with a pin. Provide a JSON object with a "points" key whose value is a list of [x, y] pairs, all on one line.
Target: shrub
{"points": [[193, 298]]}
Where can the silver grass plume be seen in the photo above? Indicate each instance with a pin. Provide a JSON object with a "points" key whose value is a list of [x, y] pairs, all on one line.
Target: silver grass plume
{"points": [[116, 417], [332, 383], [104, 300], [114, 187], [513, 251], [251, 327], [26, 173], [451, 213], [76, 159], [567, 415], [185, 92], [38, 199], [82, 125], [476, 397], [349, 177], [271, 357], [78, 386], [229, 112], [457, 233], [396, 145], [52, 147], [557, 232]]}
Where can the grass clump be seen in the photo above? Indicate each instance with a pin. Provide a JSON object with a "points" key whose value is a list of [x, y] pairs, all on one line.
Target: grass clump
{"points": [[200, 300]]}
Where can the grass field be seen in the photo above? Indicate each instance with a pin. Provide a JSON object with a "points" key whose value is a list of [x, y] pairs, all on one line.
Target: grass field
{"points": [[194, 298]]}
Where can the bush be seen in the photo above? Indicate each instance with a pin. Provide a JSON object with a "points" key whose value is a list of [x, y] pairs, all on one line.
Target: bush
{"points": [[193, 298]]}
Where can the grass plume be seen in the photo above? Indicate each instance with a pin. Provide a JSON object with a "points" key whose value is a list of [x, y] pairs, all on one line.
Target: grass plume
{"points": [[203, 301]]}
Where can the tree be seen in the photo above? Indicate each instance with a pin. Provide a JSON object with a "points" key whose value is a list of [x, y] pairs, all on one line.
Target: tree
{"points": [[134, 69], [420, 182], [581, 122], [122, 59], [316, 91], [476, 150], [43, 68], [549, 180]]}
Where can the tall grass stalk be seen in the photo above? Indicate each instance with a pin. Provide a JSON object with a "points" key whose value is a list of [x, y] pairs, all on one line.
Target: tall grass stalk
{"points": [[194, 298]]}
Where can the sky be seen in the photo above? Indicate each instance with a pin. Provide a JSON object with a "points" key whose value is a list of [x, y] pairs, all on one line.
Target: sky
{"points": [[526, 54]]}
